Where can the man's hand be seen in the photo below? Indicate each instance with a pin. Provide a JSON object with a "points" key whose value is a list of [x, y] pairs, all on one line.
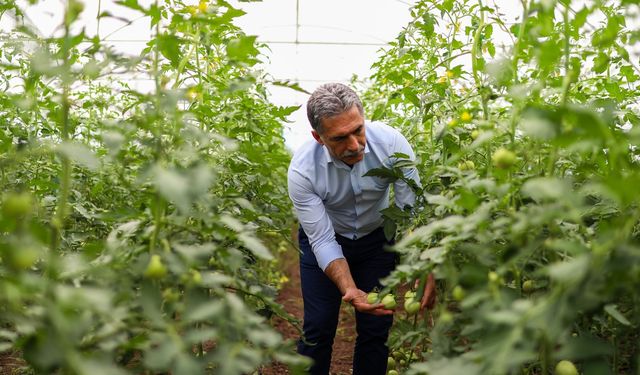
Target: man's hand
{"points": [[429, 297], [338, 272], [358, 299]]}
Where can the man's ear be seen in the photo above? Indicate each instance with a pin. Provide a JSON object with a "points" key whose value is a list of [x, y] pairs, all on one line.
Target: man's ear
{"points": [[317, 137]]}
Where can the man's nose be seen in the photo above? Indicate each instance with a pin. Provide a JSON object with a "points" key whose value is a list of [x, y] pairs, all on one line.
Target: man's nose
{"points": [[353, 144]]}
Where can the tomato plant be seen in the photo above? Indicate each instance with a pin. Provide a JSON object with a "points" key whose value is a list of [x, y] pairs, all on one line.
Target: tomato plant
{"points": [[536, 242], [139, 225]]}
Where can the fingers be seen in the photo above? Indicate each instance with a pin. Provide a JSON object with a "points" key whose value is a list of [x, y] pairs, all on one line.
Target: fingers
{"points": [[373, 309], [358, 299], [428, 299], [431, 302], [364, 306], [370, 308], [353, 295], [381, 312]]}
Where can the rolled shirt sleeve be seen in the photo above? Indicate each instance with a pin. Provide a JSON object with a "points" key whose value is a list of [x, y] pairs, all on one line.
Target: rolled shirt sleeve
{"points": [[314, 219], [404, 195]]}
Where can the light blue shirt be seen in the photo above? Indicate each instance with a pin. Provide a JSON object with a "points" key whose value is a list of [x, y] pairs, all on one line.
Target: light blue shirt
{"points": [[330, 197]]}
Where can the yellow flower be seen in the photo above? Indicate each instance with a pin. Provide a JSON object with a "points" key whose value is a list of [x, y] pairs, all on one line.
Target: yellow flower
{"points": [[466, 116], [193, 94], [203, 6], [450, 74], [192, 10], [442, 79]]}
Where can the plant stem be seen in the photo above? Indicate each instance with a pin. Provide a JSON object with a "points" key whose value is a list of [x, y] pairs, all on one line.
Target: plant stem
{"points": [[98, 19], [567, 55], [516, 48], [158, 202], [57, 222], [474, 63], [544, 355]]}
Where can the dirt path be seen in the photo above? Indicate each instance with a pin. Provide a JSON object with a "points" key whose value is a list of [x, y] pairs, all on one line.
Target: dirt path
{"points": [[290, 297]]}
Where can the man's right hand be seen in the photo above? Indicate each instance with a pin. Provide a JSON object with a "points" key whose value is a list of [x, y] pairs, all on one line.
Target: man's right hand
{"points": [[338, 272], [358, 299]]}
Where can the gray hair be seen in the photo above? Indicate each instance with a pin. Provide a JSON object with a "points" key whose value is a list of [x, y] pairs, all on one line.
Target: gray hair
{"points": [[331, 99]]}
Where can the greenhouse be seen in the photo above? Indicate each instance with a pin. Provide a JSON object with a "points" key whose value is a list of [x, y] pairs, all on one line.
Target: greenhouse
{"points": [[303, 187]]}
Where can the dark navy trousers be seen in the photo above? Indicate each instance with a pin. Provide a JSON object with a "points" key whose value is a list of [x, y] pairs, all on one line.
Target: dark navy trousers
{"points": [[368, 262]]}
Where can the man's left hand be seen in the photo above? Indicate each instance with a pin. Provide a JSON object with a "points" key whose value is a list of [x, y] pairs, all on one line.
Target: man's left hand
{"points": [[429, 297]]}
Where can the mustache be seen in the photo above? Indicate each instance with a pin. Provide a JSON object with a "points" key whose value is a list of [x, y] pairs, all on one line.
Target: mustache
{"points": [[350, 154]]}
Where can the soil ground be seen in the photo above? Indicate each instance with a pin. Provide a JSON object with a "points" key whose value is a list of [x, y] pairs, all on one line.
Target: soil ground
{"points": [[290, 296], [11, 363]]}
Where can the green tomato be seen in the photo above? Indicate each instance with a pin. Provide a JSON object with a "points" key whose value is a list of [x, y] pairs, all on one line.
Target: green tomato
{"points": [[170, 295], [392, 372], [155, 268], [458, 293], [528, 286], [503, 158], [493, 277], [410, 294], [196, 277], [466, 165], [471, 165], [391, 363], [23, 258], [389, 301], [411, 306], [16, 205], [565, 367], [475, 134], [446, 317], [372, 298]]}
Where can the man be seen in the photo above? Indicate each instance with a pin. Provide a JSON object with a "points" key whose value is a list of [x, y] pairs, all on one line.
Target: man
{"points": [[342, 243]]}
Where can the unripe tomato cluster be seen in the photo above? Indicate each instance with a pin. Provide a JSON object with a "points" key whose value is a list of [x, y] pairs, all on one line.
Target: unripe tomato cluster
{"points": [[411, 303], [466, 165], [400, 357], [389, 301]]}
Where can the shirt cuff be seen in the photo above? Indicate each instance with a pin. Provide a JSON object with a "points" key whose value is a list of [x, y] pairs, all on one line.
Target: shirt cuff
{"points": [[327, 253]]}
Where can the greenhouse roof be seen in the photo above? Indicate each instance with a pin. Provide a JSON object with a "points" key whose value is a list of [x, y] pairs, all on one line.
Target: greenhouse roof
{"points": [[307, 42]]}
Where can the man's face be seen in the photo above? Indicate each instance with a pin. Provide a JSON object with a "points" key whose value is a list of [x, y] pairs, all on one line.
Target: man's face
{"points": [[344, 136]]}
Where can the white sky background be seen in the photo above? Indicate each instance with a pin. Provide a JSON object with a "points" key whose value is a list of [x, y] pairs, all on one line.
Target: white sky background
{"points": [[335, 39]]}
